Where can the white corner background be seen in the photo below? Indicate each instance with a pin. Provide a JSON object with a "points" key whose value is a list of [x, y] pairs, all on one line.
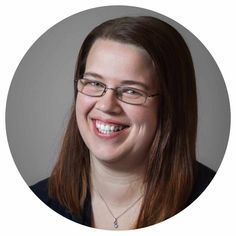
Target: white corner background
{"points": [[23, 22]]}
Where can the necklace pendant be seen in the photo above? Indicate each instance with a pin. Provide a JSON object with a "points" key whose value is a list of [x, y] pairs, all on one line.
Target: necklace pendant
{"points": [[115, 223]]}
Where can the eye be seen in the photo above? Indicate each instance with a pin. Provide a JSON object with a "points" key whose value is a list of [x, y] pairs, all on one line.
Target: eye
{"points": [[131, 92], [92, 83], [95, 84]]}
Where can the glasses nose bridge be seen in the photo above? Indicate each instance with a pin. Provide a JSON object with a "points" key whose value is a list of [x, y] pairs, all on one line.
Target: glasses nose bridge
{"points": [[107, 88]]}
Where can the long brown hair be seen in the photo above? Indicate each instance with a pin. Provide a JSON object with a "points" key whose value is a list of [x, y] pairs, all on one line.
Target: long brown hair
{"points": [[170, 169]]}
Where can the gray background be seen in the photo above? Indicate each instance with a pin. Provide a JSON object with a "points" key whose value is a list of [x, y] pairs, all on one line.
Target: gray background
{"points": [[41, 94]]}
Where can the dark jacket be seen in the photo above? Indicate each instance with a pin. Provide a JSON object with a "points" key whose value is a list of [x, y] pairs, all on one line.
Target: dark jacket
{"points": [[203, 178]]}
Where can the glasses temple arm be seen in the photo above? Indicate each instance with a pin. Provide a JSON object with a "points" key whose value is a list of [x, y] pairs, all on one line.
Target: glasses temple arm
{"points": [[154, 95]]}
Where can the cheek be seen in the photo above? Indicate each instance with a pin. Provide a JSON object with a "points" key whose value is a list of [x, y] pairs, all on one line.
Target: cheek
{"points": [[144, 117], [145, 127], [83, 106]]}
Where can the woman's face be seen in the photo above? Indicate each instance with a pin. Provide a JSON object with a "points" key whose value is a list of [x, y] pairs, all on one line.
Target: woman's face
{"points": [[129, 129]]}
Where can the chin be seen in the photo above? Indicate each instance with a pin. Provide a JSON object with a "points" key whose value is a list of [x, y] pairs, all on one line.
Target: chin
{"points": [[107, 157]]}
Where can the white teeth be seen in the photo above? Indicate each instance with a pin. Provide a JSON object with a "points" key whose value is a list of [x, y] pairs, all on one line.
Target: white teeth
{"points": [[105, 128]]}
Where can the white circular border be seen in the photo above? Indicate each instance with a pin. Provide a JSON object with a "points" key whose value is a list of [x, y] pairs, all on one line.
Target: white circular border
{"points": [[23, 22]]}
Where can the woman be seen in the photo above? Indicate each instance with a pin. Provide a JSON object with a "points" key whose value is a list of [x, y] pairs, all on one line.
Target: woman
{"points": [[128, 156]]}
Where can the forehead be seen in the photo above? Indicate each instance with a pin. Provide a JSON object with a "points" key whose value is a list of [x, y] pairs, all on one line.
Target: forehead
{"points": [[117, 61]]}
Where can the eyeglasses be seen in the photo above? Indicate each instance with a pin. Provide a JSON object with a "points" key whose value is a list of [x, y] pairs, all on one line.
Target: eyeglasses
{"points": [[128, 95]]}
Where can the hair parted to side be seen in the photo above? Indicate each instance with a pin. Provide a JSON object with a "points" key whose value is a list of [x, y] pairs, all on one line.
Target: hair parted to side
{"points": [[170, 169]]}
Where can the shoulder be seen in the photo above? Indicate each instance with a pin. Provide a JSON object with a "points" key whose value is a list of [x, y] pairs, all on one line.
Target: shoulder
{"points": [[203, 177], [204, 174], [40, 189]]}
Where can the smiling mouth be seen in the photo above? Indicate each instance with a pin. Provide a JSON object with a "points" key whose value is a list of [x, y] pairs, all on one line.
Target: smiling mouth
{"points": [[105, 128]]}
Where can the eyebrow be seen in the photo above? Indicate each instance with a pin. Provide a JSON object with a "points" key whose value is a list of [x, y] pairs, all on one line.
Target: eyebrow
{"points": [[93, 75], [124, 82]]}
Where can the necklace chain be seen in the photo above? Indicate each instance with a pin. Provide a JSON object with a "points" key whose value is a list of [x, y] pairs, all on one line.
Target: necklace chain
{"points": [[115, 223]]}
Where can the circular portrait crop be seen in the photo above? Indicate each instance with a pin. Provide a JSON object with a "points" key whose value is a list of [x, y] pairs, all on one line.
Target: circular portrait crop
{"points": [[117, 118]]}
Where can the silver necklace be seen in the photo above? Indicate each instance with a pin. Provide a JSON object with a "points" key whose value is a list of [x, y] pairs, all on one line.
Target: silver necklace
{"points": [[115, 222]]}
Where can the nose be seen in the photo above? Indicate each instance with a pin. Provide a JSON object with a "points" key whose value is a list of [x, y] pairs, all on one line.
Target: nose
{"points": [[108, 103]]}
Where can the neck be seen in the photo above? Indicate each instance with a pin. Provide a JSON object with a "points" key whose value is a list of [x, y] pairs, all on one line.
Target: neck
{"points": [[119, 185]]}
